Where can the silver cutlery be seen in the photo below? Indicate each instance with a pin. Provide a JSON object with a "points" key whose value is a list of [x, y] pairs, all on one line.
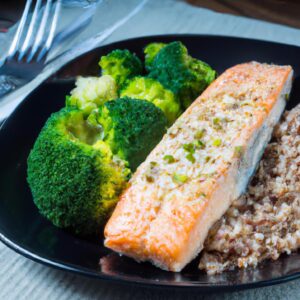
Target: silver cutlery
{"points": [[29, 48], [16, 85]]}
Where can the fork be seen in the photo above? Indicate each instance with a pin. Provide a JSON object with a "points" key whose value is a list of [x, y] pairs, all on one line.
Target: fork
{"points": [[33, 39]]}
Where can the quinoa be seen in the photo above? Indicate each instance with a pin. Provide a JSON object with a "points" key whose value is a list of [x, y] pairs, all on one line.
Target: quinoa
{"points": [[264, 222]]}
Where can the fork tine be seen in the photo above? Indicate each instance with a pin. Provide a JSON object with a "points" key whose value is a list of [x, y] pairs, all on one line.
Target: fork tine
{"points": [[29, 34], [41, 31], [14, 45], [49, 40]]}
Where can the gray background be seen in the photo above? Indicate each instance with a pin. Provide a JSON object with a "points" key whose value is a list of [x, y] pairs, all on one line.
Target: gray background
{"points": [[21, 278]]}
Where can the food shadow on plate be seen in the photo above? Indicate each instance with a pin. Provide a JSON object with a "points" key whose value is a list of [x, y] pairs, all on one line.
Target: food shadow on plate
{"points": [[121, 266]]}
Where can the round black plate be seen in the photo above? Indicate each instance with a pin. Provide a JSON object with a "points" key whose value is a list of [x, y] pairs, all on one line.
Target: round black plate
{"points": [[24, 230]]}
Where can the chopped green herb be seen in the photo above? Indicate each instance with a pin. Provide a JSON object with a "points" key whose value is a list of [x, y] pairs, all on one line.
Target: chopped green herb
{"points": [[189, 148], [169, 159], [203, 195], [207, 159], [216, 123], [217, 142], [199, 134], [286, 96], [149, 178], [247, 103], [238, 150], [199, 144], [179, 178], [191, 158], [153, 164]]}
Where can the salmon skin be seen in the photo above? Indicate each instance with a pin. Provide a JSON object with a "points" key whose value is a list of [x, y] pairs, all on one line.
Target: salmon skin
{"points": [[203, 163]]}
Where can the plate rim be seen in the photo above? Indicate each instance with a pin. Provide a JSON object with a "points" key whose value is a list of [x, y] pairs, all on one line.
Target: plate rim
{"points": [[150, 283], [206, 288]]}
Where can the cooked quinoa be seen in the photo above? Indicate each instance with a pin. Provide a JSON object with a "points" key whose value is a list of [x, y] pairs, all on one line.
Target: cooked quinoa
{"points": [[264, 222]]}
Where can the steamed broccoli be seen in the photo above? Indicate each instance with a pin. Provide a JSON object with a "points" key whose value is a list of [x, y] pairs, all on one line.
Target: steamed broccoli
{"points": [[150, 52], [90, 92], [121, 120], [85, 153], [121, 64], [78, 165], [175, 69], [151, 90], [73, 176]]}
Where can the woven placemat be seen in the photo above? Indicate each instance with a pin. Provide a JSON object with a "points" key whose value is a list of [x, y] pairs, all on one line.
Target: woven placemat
{"points": [[285, 12]]}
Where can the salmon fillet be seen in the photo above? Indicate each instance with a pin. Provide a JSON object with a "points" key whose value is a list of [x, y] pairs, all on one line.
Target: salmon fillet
{"points": [[200, 167]]}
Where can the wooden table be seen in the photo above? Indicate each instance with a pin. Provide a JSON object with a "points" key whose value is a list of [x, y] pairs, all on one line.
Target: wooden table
{"points": [[285, 12]]}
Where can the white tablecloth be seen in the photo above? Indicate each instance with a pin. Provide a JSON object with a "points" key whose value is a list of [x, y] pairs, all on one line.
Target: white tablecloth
{"points": [[21, 278]]}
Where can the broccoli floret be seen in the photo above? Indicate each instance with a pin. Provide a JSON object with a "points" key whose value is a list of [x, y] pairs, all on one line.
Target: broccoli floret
{"points": [[132, 128], [150, 52], [121, 64], [79, 164], [175, 69], [153, 91], [74, 178], [90, 92]]}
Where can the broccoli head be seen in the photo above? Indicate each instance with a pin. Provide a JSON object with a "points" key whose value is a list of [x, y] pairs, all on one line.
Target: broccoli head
{"points": [[74, 177], [150, 52], [121, 64], [90, 92], [132, 128], [175, 69], [79, 164], [153, 91]]}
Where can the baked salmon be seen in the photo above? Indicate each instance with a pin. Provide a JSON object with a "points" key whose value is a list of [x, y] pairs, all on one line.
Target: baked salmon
{"points": [[203, 163]]}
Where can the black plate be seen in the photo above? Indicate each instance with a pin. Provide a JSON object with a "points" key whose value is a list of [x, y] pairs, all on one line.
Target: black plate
{"points": [[24, 230]]}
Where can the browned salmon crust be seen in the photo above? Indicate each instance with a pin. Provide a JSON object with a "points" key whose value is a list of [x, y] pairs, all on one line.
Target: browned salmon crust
{"points": [[202, 164]]}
